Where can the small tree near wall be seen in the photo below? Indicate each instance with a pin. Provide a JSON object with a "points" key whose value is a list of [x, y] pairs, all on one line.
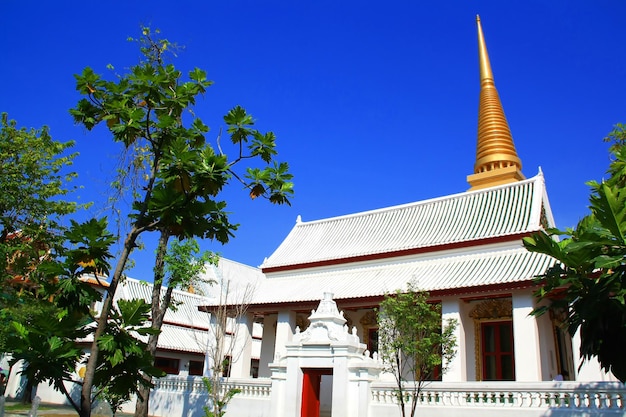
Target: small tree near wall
{"points": [[225, 346], [414, 343]]}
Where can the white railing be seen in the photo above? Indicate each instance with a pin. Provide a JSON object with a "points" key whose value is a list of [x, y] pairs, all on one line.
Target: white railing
{"points": [[257, 387], [539, 395]]}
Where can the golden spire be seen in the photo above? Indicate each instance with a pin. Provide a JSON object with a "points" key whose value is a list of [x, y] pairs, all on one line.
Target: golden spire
{"points": [[496, 158]]}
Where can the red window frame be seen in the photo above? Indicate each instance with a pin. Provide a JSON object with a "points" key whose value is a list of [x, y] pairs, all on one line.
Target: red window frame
{"points": [[498, 353]]}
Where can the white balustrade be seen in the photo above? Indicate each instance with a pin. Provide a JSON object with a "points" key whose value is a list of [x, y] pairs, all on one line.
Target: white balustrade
{"points": [[543, 395], [258, 387]]}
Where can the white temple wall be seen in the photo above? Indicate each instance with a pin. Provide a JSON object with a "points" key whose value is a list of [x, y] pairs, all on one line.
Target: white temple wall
{"points": [[590, 371], [468, 349]]}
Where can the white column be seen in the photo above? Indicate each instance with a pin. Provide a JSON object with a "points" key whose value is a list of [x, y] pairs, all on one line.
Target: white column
{"points": [[267, 345], [209, 363], [457, 368], [285, 328], [242, 347], [526, 339]]}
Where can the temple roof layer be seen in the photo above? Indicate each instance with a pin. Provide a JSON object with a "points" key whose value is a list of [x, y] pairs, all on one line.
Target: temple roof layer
{"points": [[186, 313], [457, 274], [507, 210]]}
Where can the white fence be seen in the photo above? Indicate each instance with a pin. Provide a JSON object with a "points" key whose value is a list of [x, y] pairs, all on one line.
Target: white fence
{"points": [[508, 398], [439, 399], [186, 396]]}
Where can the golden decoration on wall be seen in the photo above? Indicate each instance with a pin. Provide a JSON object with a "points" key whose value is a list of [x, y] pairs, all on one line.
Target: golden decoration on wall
{"points": [[492, 309], [370, 318], [302, 322]]}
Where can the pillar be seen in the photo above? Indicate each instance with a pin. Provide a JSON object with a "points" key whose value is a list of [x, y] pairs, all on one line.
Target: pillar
{"points": [[285, 328], [242, 347], [267, 345], [526, 339], [457, 368]]}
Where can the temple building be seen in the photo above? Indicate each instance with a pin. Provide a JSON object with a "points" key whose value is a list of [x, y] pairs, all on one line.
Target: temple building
{"points": [[465, 249], [302, 332]]}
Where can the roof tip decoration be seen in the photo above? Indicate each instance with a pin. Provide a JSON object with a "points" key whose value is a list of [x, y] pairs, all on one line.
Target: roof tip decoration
{"points": [[496, 158], [299, 219]]}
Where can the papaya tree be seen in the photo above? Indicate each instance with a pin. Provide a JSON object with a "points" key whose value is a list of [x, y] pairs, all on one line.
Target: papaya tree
{"points": [[149, 109]]}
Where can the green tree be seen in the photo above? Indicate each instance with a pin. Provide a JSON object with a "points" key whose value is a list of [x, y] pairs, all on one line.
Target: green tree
{"points": [[46, 305], [178, 267], [34, 180], [145, 110], [59, 308], [413, 342], [589, 278]]}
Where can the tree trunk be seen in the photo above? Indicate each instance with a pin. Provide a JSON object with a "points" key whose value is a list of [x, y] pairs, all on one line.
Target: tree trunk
{"points": [[27, 397], [90, 371], [158, 314]]}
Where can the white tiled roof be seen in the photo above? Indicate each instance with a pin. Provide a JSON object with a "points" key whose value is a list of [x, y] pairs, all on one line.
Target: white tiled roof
{"points": [[185, 328], [182, 339], [186, 312], [499, 211], [458, 271]]}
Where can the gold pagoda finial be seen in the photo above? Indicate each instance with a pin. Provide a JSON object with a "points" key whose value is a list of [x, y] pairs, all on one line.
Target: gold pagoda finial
{"points": [[496, 158]]}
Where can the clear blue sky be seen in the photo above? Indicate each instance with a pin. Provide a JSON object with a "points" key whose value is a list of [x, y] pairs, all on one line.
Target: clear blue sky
{"points": [[373, 103]]}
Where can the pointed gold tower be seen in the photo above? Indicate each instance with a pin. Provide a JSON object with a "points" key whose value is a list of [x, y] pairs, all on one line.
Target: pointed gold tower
{"points": [[496, 158]]}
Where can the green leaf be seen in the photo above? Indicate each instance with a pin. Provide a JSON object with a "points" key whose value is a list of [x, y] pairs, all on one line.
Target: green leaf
{"points": [[134, 312]]}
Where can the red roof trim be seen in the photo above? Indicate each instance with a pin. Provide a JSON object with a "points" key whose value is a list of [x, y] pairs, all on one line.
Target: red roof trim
{"points": [[186, 326], [393, 254]]}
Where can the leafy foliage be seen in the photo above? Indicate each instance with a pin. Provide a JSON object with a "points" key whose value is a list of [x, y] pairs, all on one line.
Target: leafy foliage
{"points": [[184, 263], [589, 279], [48, 321], [413, 343], [220, 400], [125, 359], [178, 175], [33, 180], [178, 267], [33, 183], [185, 174]]}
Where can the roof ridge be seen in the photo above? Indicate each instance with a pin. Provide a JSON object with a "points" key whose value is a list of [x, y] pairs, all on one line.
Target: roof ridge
{"points": [[151, 284], [536, 178]]}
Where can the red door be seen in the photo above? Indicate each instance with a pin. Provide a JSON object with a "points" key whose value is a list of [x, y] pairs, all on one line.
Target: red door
{"points": [[311, 382]]}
